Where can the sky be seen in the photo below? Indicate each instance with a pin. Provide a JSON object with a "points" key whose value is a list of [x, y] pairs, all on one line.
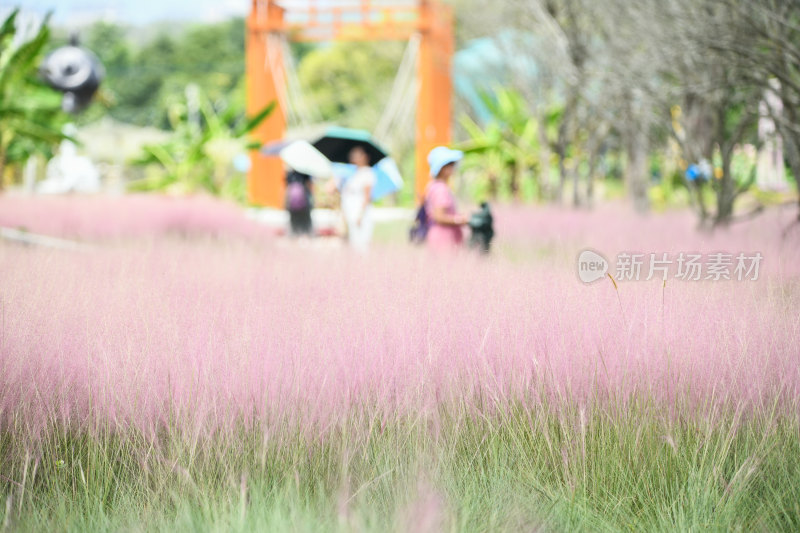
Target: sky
{"points": [[81, 12]]}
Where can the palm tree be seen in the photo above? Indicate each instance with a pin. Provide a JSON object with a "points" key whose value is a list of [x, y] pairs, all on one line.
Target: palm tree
{"points": [[186, 163], [30, 112], [507, 147]]}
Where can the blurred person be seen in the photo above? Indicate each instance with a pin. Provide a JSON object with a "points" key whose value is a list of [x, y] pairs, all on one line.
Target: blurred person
{"points": [[481, 225], [445, 223], [299, 201], [356, 197]]}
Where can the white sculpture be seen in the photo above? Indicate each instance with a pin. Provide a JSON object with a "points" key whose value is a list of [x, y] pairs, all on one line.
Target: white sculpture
{"points": [[69, 172]]}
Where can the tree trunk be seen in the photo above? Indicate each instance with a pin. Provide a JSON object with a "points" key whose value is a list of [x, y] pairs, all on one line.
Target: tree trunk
{"points": [[544, 160], [793, 155], [514, 185], [794, 164], [493, 186], [726, 194], [699, 187], [791, 144], [590, 179], [697, 143], [562, 174], [576, 198], [636, 171], [2, 166], [563, 141], [596, 148]]}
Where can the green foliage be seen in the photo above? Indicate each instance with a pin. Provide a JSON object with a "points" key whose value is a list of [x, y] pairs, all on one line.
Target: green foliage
{"points": [[670, 192], [108, 42], [505, 151], [187, 161], [30, 113], [349, 82], [146, 80], [142, 82]]}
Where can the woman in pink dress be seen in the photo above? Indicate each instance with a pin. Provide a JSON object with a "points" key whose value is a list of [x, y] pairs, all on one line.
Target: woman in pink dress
{"points": [[445, 231]]}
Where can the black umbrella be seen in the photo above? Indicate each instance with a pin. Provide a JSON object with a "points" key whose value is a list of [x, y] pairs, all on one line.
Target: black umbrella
{"points": [[337, 143]]}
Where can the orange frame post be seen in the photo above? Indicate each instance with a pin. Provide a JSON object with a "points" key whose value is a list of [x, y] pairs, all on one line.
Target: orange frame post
{"points": [[327, 20], [265, 183], [435, 86]]}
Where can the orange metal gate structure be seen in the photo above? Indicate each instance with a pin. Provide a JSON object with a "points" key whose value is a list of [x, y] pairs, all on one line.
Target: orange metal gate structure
{"points": [[346, 20]]}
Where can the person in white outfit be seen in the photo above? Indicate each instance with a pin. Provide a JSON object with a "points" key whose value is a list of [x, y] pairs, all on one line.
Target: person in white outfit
{"points": [[356, 201]]}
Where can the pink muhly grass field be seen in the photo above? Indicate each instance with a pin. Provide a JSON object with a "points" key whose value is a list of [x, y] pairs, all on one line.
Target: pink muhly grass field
{"points": [[129, 216], [217, 333], [553, 232]]}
